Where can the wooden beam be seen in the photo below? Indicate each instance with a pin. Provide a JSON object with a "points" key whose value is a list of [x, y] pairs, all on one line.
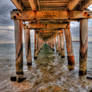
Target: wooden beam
{"points": [[58, 4], [79, 14], [17, 4], [83, 46], [45, 26], [39, 15], [54, 1], [33, 4], [72, 4], [43, 15], [86, 4]]}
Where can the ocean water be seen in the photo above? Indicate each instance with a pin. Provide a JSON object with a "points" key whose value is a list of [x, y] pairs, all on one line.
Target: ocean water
{"points": [[7, 67], [7, 53]]}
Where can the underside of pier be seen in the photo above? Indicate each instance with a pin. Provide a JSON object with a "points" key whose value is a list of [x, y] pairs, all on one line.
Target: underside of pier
{"points": [[51, 21]]}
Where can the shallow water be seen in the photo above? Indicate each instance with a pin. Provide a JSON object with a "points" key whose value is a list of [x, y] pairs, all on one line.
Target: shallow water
{"points": [[49, 72]]}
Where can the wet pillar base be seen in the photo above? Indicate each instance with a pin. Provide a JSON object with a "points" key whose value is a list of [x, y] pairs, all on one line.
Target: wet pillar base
{"points": [[71, 63], [20, 79], [62, 53], [28, 48], [83, 65]]}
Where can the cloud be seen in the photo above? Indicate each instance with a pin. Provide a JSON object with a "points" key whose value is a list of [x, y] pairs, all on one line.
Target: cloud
{"points": [[5, 7], [7, 28], [6, 36]]}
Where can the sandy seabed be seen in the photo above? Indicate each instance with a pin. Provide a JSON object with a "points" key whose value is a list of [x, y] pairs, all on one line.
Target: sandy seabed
{"points": [[49, 74]]}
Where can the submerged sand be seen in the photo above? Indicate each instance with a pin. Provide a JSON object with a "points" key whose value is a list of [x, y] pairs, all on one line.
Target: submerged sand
{"points": [[48, 74]]}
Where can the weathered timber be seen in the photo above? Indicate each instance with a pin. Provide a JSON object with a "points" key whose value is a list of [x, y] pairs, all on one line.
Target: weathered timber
{"points": [[83, 46], [35, 42], [72, 4], [58, 49], [28, 48], [19, 47], [35, 49], [39, 15], [33, 4], [53, 4], [18, 4], [85, 4], [70, 54], [45, 26], [62, 45], [37, 46]]}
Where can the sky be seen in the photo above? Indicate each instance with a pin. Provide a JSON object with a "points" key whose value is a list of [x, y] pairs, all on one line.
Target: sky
{"points": [[7, 26]]}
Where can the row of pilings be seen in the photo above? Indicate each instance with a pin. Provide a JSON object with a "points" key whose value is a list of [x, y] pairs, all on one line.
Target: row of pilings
{"points": [[52, 42]]}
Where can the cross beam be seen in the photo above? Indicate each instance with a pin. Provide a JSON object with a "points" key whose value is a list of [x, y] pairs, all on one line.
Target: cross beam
{"points": [[58, 15], [45, 26]]}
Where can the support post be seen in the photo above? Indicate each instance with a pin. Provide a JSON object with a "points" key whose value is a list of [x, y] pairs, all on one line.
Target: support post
{"points": [[59, 43], [62, 45], [35, 56], [28, 48], [70, 54], [83, 46], [19, 52]]}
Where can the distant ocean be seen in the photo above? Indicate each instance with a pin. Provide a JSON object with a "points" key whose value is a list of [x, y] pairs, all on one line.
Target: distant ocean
{"points": [[7, 56]]}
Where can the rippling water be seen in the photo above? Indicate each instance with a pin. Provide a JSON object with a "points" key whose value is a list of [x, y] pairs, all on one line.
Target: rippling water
{"points": [[48, 72]]}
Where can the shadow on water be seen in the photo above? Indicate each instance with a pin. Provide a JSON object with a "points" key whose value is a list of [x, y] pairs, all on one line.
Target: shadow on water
{"points": [[49, 74]]}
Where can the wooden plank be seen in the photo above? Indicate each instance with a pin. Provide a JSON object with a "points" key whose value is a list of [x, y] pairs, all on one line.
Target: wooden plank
{"points": [[70, 54], [45, 26], [33, 4], [54, 1], [17, 4], [47, 4], [28, 48], [83, 46], [43, 15], [72, 4]]}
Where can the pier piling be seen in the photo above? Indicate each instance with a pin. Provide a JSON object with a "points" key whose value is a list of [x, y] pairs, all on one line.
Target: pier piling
{"points": [[83, 46], [19, 50], [35, 49], [28, 48], [70, 54], [62, 45]]}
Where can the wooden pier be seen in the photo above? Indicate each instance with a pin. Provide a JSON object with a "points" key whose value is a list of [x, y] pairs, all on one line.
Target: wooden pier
{"points": [[50, 19]]}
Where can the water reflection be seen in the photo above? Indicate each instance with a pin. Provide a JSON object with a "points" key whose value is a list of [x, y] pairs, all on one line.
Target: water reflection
{"points": [[49, 74]]}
